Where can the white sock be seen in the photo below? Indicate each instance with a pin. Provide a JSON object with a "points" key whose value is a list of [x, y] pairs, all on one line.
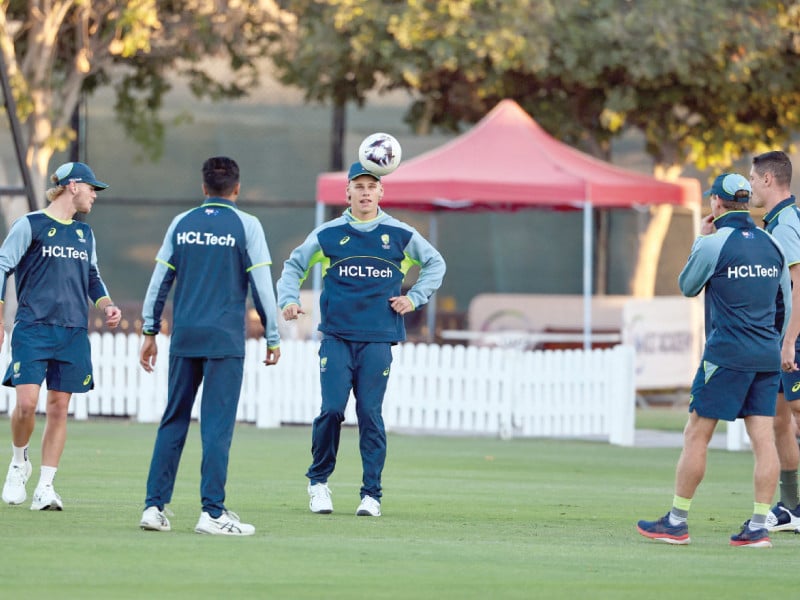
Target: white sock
{"points": [[676, 519], [20, 454], [47, 474]]}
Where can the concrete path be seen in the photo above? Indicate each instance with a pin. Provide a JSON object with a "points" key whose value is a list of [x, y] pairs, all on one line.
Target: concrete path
{"points": [[652, 438]]}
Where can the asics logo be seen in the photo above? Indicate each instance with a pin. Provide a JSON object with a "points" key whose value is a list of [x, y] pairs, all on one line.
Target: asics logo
{"points": [[386, 372], [344, 240], [87, 379], [796, 386], [52, 232]]}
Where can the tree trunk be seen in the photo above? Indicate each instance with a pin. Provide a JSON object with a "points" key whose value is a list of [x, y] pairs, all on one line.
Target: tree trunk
{"points": [[643, 283], [338, 124]]}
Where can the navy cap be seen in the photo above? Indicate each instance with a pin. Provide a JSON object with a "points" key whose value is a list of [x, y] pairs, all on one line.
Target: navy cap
{"points": [[80, 172], [731, 187], [357, 169]]}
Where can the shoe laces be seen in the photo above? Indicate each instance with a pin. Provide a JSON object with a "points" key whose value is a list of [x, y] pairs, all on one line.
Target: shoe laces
{"points": [[16, 474], [159, 515], [321, 490], [232, 516], [46, 490]]}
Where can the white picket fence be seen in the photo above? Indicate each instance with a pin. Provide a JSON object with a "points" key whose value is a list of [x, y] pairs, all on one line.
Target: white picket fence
{"points": [[432, 389]]}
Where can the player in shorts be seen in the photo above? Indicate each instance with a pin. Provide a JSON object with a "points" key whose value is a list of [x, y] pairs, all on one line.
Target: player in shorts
{"points": [[745, 278], [54, 262], [771, 178]]}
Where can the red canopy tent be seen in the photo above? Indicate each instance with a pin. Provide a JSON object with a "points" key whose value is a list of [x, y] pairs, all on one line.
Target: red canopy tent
{"points": [[508, 162]]}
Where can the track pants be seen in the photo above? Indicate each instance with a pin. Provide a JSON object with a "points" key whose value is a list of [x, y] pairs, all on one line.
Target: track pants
{"points": [[222, 382], [362, 367]]}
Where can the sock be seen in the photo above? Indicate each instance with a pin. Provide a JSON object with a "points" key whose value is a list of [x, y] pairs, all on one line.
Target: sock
{"points": [[680, 510], [20, 454], [788, 487], [47, 474], [759, 518]]}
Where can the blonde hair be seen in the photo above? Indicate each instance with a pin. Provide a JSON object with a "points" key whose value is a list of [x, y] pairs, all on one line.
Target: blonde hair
{"points": [[54, 192]]}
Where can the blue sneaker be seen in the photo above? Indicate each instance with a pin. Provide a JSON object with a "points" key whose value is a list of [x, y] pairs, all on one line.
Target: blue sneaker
{"points": [[754, 539], [662, 531], [781, 518]]}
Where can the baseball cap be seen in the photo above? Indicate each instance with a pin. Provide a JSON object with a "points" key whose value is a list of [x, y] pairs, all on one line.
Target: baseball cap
{"points": [[78, 171], [731, 187], [357, 169]]}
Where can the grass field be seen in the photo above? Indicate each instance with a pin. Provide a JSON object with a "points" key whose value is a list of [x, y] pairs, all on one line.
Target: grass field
{"points": [[462, 518]]}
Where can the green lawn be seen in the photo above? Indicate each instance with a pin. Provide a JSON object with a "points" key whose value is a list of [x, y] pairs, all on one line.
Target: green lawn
{"points": [[462, 518], [665, 418]]}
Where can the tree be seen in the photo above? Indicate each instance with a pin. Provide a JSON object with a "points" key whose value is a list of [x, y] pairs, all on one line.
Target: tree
{"points": [[57, 50], [336, 51], [708, 84], [704, 83]]}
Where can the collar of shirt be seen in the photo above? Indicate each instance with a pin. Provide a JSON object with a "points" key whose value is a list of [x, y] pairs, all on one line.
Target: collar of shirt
{"points": [[778, 208]]}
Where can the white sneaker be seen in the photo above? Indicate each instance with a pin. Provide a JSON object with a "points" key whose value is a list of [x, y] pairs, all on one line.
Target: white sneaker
{"points": [[154, 520], [46, 498], [780, 518], [227, 523], [369, 507], [320, 502], [14, 487]]}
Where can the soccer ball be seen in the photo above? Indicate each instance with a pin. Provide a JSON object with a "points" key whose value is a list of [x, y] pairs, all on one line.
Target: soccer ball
{"points": [[380, 153]]}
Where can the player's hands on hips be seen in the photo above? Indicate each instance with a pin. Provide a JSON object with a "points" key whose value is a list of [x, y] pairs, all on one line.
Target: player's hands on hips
{"points": [[148, 353], [273, 356], [113, 315], [291, 312], [401, 304]]}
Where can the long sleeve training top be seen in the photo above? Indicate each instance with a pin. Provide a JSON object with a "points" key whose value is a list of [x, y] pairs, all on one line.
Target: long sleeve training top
{"points": [[363, 265], [211, 254]]}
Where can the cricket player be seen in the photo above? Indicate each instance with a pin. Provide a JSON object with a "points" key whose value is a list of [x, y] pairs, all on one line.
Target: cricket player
{"points": [[365, 255]]}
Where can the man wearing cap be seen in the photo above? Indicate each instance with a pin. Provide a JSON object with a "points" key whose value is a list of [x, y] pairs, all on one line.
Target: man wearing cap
{"points": [[364, 254], [771, 178], [54, 262], [745, 277]]}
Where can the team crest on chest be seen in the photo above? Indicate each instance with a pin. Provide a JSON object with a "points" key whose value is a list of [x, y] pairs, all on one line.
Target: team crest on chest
{"points": [[385, 241]]}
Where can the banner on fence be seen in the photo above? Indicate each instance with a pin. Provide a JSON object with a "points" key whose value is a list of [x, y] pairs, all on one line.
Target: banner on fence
{"points": [[667, 334]]}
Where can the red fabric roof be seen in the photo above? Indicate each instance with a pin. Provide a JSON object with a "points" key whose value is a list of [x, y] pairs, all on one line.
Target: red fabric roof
{"points": [[506, 162]]}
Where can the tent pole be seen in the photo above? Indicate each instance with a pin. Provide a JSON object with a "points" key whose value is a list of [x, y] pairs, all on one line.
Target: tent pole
{"points": [[433, 238], [587, 272]]}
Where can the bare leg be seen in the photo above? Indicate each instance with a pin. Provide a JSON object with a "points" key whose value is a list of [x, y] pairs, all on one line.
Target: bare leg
{"points": [[785, 438], [766, 468], [23, 419], [692, 463], [55, 430]]}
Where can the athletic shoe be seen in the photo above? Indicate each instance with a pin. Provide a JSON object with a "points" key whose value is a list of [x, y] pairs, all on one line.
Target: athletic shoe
{"points": [[227, 523], [14, 487], [46, 498], [663, 531], [781, 518], [320, 502], [753, 539], [369, 507], [154, 520]]}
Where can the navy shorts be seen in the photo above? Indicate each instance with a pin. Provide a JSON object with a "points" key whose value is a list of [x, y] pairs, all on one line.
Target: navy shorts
{"points": [[790, 385], [720, 393], [60, 355]]}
